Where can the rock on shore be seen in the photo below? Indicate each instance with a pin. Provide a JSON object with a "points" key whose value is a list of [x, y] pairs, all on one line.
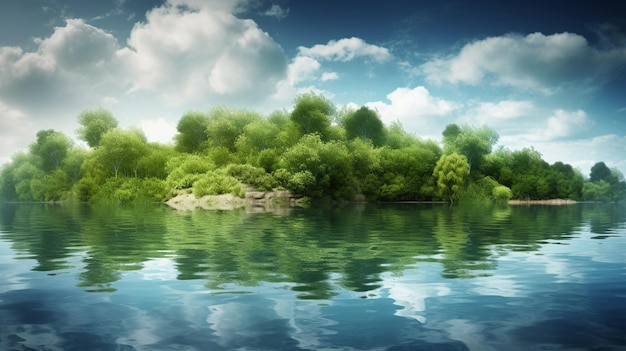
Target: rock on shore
{"points": [[253, 199]]}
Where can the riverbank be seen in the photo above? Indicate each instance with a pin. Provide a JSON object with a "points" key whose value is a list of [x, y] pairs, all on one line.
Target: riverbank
{"points": [[254, 201], [542, 202]]}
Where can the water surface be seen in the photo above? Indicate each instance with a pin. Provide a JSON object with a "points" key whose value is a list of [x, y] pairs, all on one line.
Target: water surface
{"points": [[368, 277]]}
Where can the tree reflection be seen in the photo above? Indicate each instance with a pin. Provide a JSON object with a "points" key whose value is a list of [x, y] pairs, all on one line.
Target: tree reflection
{"points": [[313, 252]]}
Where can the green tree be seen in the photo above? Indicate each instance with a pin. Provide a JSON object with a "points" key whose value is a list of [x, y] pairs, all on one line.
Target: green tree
{"points": [[192, 133], [94, 124], [473, 143], [51, 148], [366, 124], [121, 150], [225, 126], [397, 137], [451, 173], [312, 114], [600, 171]]}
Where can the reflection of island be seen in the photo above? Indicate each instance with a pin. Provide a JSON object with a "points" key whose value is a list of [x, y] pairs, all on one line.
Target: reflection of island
{"points": [[318, 252]]}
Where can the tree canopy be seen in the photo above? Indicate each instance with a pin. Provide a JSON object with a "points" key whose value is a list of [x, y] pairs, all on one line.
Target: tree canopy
{"points": [[94, 124], [312, 150]]}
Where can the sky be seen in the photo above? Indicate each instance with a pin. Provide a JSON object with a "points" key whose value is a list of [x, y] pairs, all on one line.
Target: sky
{"points": [[552, 78]]}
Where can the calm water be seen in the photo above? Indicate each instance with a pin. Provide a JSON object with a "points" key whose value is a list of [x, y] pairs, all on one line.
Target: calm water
{"points": [[375, 277]]}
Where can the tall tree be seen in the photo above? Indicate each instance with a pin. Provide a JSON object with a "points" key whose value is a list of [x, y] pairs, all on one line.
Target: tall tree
{"points": [[451, 173], [312, 114], [94, 124], [121, 150], [473, 143], [600, 171], [192, 132], [51, 147], [364, 123]]}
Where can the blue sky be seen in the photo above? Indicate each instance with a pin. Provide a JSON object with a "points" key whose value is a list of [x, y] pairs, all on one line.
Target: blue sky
{"points": [[553, 78]]}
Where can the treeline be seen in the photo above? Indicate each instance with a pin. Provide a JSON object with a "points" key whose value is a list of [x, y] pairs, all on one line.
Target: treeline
{"points": [[315, 150]]}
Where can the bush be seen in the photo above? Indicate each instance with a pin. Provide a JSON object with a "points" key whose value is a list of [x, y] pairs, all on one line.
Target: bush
{"points": [[502, 194], [254, 176], [302, 183], [132, 190], [185, 170], [217, 183]]}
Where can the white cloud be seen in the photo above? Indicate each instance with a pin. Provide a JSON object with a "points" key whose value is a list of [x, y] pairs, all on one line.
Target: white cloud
{"points": [[565, 123], [158, 130], [202, 53], [277, 12], [347, 49], [75, 59], [15, 130], [329, 76], [535, 61], [416, 109], [498, 114]]}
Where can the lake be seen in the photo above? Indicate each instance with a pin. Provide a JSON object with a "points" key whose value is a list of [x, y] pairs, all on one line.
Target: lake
{"points": [[352, 277]]}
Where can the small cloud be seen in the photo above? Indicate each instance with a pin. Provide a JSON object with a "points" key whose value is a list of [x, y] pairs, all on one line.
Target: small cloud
{"points": [[345, 50], [277, 12], [329, 76], [621, 110]]}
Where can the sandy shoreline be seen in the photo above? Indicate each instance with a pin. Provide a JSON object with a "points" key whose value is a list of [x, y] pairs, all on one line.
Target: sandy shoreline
{"points": [[542, 202]]}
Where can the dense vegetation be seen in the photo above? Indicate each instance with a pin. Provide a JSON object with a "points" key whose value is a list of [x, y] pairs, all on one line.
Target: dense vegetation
{"points": [[315, 151]]}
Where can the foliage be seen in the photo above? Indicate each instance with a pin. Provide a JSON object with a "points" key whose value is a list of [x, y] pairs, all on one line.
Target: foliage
{"points": [[121, 150], [473, 143], [184, 170], [50, 149], [217, 183], [94, 124], [312, 150], [366, 124], [254, 176], [501, 194], [451, 173], [312, 114], [604, 184], [192, 134]]}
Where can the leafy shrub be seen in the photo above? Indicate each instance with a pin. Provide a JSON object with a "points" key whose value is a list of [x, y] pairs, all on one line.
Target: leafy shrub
{"points": [[185, 170], [132, 190], [302, 183], [254, 176], [502, 194], [217, 183]]}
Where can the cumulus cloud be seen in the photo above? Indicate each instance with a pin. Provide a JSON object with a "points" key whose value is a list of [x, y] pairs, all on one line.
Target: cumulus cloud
{"points": [[199, 51], [346, 49], [566, 123], [416, 109], [75, 58], [534, 61]]}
